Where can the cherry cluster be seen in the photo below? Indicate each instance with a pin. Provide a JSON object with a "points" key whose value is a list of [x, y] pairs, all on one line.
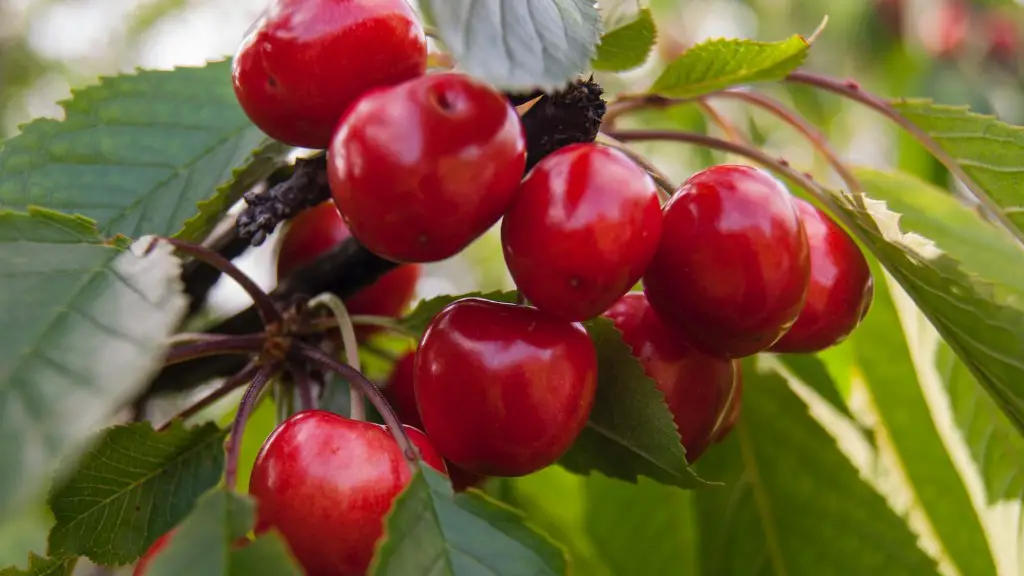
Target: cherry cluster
{"points": [[419, 166]]}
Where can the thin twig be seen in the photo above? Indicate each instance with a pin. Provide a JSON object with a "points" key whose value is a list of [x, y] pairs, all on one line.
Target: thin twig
{"points": [[215, 345], [223, 390], [808, 130], [755, 154], [357, 407], [304, 384], [245, 408], [853, 91], [355, 377], [264, 304]]}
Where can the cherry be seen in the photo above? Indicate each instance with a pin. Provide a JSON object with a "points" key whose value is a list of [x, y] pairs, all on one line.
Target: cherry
{"points": [[401, 395], [581, 230], [154, 550], [326, 482], [696, 386], [732, 267], [503, 390], [732, 411], [839, 291], [317, 230], [422, 169], [304, 62]]}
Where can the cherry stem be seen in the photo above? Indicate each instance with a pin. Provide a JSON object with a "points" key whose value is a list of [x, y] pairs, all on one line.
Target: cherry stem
{"points": [[731, 132], [264, 304], [229, 385], [304, 384], [665, 187], [357, 379], [853, 91], [766, 103], [798, 122], [780, 166], [215, 345], [357, 408], [245, 408]]}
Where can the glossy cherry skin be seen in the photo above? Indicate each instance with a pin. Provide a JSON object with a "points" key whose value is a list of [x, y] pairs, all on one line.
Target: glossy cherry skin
{"points": [[401, 394], [304, 62], [581, 230], [732, 267], [840, 289], [317, 230], [503, 390], [154, 549], [733, 409], [696, 386], [422, 169], [326, 482]]}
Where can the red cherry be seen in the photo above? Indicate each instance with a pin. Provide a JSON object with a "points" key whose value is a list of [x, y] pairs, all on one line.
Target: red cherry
{"points": [[326, 482], [503, 390], [732, 411], [317, 230], [154, 549], [1003, 37], [581, 231], [304, 62], [401, 395], [422, 169], [839, 291], [696, 386], [732, 267]]}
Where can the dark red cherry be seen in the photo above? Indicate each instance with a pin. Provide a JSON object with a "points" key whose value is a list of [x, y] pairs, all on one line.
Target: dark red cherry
{"points": [[304, 62], [840, 289], [732, 267], [326, 482], [581, 231], [317, 230], [422, 169], [401, 395], [696, 386], [503, 390]]}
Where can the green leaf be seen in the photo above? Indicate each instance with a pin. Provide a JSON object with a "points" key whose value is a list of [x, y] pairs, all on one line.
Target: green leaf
{"points": [[432, 531], [517, 45], [631, 432], [952, 280], [268, 555], [626, 46], [133, 487], [642, 528], [995, 444], [24, 532], [810, 370], [136, 153], [85, 325], [269, 156], [887, 362], [40, 566], [990, 152], [555, 500], [718, 64], [204, 544], [794, 504], [418, 320]]}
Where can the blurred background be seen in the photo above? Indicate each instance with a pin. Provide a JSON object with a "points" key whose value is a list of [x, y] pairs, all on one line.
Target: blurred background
{"points": [[954, 51]]}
